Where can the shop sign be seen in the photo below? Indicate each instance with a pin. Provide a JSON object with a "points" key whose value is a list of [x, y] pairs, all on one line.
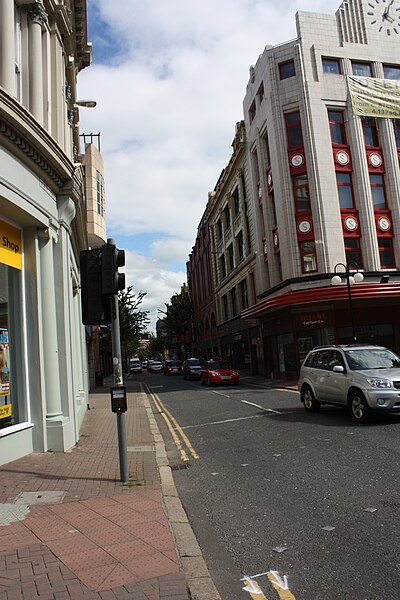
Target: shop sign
{"points": [[5, 411], [317, 318], [10, 246]]}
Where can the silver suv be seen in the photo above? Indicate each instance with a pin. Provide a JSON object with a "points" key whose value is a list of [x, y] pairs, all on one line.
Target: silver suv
{"points": [[364, 378]]}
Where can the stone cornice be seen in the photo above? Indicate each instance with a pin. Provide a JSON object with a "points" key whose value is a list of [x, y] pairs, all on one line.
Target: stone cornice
{"points": [[21, 131]]}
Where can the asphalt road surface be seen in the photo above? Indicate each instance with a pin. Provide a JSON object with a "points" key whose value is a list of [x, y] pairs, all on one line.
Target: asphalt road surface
{"points": [[288, 505]]}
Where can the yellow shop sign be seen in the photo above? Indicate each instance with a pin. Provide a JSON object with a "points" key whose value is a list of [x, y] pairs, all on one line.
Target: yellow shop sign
{"points": [[5, 411], [10, 246]]}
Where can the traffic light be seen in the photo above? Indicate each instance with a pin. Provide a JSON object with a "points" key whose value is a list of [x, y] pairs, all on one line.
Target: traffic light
{"points": [[112, 281], [96, 308]]}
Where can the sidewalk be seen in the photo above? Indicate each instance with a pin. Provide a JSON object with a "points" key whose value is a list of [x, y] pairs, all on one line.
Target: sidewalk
{"points": [[69, 529]]}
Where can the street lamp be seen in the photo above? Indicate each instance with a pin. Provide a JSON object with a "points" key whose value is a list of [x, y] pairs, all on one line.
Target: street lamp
{"points": [[350, 280]]}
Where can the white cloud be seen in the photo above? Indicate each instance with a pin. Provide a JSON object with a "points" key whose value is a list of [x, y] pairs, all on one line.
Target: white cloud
{"points": [[168, 101]]}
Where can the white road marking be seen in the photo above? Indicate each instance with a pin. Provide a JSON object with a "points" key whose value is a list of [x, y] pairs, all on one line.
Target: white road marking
{"points": [[222, 422], [261, 407]]}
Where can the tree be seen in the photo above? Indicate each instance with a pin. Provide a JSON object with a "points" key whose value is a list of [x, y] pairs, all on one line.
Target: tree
{"points": [[178, 319], [155, 348], [132, 321]]}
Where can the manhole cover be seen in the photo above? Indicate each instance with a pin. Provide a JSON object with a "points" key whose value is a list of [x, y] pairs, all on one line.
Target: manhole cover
{"points": [[39, 498]]}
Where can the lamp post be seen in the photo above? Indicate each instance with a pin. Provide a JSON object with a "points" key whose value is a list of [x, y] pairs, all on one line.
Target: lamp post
{"points": [[350, 280]]}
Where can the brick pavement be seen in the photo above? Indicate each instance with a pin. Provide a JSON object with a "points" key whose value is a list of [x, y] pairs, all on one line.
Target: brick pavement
{"points": [[69, 529]]}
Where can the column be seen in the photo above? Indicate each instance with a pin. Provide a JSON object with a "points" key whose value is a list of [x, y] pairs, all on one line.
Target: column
{"points": [[49, 324], [7, 46], [37, 18]]}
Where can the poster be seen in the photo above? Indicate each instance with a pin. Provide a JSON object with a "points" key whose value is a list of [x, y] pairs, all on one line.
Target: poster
{"points": [[5, 405]]}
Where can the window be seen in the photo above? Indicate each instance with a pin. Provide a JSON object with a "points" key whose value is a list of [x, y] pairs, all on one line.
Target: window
{"points": [[378, 191], [370, 131], [227, 214], [361, 69], [17, 51], [353, 251], [222, 265], [100, 193], [231, 257], [396, 123], [301, 193], [236, 201], [345, 190], [243, 294], [225, 307], [386, 253], [287, 69], [233, 302], [293, 129], [336, 126], [331, 65], [260, 92], [240, 245], [308, 257], [391, 72], [252, 111], [219, 229]]}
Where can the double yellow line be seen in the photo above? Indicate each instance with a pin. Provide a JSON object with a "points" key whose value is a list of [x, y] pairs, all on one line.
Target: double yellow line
{"points": [[174, 428]]}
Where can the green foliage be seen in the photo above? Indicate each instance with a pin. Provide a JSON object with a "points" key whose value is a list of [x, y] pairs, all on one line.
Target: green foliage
{"points": [[132, 321], [178, 316], [155, 347]]}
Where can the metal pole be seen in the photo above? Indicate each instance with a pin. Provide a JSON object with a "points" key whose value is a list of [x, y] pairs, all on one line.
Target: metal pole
{"points": [[118, 382], [350, 303]]}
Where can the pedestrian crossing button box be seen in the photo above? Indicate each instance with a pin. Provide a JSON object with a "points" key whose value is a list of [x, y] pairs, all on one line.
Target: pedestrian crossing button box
{"points": [[118, 399]]}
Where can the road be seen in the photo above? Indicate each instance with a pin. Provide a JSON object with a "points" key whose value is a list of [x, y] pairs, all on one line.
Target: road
{"points": [[308, 503]]}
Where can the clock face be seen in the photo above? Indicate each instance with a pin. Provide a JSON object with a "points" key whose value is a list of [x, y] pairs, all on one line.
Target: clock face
{"points": [[384, 16]]}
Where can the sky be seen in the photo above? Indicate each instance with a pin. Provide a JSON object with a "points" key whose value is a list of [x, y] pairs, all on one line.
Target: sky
{"points": [[169, 78]]}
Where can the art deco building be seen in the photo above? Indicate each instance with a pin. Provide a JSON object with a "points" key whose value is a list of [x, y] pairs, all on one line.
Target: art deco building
{"points": [[323, 147], [44, 384]]}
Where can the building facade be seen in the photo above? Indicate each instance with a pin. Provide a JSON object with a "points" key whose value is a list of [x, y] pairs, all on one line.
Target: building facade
{"points": [[325, 185], [44, 380]]}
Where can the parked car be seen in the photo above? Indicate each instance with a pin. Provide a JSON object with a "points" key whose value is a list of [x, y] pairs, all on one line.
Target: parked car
{"points": [[191, 368], [144, 364], [155, 366], [218, 371], [172, 367], [135, 366], [364, 378]]}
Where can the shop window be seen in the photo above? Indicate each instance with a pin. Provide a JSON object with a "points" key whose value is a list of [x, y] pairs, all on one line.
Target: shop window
{"points": [[293, 130], [378, 191], [361, 69], [386, 252], [236, 201], [287, 70], [345, 190], [336, 126], [331, 65], [353, 252], [308, 257], [225, 306], [243, 294], [240, 245], [12, 406], [370, 132], [396, 123], [301, 193], [233, 302], [391, 72], [231, 257]]}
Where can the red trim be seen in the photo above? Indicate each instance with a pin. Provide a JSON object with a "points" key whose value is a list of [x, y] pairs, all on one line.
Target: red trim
{"points": [[322, 294]]}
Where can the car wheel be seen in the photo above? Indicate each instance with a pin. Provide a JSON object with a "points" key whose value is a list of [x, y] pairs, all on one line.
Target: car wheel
{"points": [[359, 409], [309, 401]]}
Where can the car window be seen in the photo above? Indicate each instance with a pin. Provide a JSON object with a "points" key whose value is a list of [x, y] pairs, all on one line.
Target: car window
{"points": [[193, 362], [322, 359], [215, 365], [372, 358], [309, 361], [335, 360]]}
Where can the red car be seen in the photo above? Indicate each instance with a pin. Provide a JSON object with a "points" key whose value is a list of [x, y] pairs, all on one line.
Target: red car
{"points": [[218, 371], [172, 367]]}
